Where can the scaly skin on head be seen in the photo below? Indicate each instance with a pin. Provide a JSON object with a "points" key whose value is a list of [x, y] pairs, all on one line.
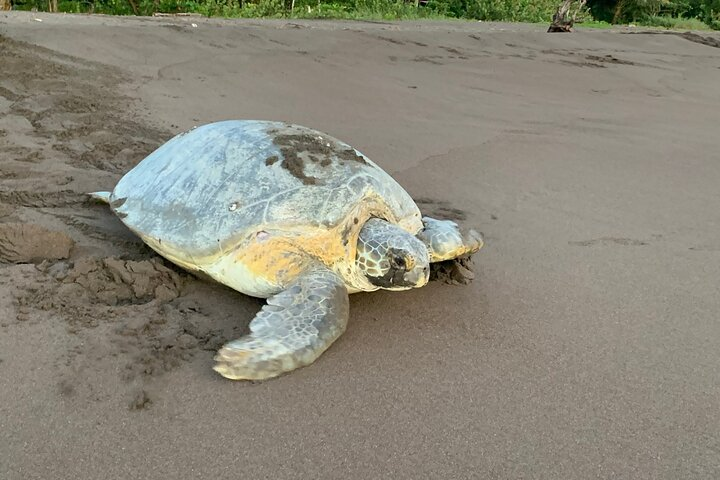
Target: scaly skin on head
{"points": [[390, 257]]}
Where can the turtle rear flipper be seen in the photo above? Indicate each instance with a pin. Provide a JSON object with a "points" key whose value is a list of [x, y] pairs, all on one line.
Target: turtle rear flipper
{"points": [[102, 196], [295, 327]]}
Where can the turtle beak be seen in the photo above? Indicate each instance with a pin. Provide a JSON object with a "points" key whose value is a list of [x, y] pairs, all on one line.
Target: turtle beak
{"points": [[418, 276]]}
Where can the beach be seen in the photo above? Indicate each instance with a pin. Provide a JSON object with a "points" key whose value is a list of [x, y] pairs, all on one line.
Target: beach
{"points": [[585, 347]]}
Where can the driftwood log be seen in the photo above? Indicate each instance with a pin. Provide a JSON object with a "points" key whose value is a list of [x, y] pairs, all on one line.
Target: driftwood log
{"points": [[563, 21]]}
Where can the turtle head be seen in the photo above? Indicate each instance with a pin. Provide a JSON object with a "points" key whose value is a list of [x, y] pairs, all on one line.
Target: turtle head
{"points": [[390, 257]]}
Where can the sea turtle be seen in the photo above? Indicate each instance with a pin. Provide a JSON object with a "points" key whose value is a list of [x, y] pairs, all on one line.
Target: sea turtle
{"points": [[287, 213]]}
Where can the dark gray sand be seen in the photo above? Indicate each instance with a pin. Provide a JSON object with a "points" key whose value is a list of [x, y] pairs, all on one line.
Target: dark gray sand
{"points": [[585, 347]]}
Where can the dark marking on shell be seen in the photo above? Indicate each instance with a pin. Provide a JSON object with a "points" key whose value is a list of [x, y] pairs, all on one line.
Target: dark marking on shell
{"points": [[303, 143], [351, 155], [271, 160], [299, 147], [355, 220], [293, 145], [295, 165]]}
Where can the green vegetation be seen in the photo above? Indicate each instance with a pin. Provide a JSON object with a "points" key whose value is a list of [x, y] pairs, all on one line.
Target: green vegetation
{"points": [[677, 14], [594, 24], [675, 23], [681, 14]]}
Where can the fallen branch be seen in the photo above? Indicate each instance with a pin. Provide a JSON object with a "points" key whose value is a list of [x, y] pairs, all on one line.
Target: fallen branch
{"points": [[562, 20]]}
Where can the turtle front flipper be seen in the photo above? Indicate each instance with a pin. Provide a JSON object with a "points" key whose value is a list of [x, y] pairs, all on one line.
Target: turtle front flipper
{"points": [[295, 327], [445, 240]]}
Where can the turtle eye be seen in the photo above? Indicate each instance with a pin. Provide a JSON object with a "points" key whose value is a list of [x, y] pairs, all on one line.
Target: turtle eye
{"points": [[397, 261]]}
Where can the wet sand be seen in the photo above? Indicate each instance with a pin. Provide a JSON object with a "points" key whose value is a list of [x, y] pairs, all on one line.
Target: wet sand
{"points": [[586, 347]]}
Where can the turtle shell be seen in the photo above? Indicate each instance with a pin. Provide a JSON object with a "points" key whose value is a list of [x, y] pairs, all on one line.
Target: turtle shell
{"points": [[206, 190]]}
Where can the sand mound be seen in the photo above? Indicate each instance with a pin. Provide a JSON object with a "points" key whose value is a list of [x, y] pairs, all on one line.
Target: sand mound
{"points": [[30, 243], [113, 281]]}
